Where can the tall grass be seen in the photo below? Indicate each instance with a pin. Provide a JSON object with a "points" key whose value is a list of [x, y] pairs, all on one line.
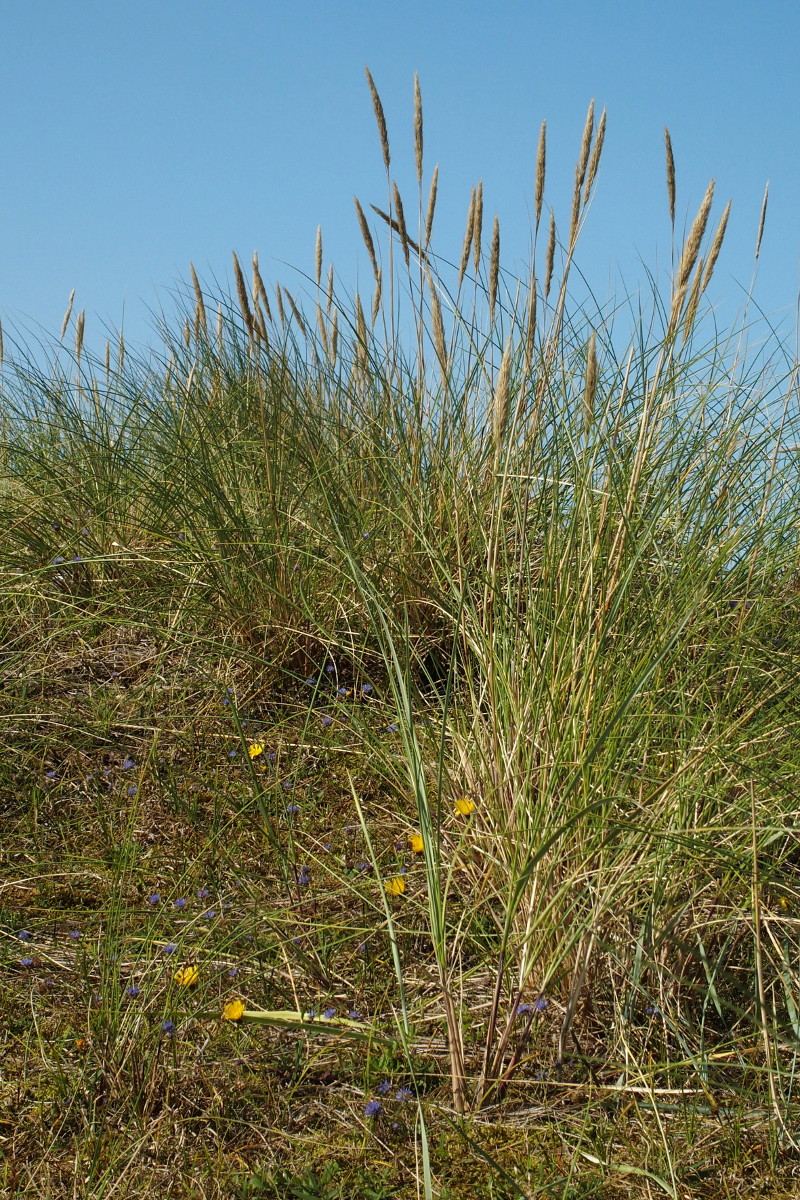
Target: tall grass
{"points": [[564, 547]]}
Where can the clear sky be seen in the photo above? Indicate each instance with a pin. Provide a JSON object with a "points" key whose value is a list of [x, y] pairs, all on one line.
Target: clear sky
{"points": [[138, 135]]}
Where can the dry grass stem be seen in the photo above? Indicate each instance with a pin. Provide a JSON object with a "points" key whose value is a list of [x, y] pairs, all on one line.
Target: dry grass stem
{"points": [[187, 334], [494, 267], [761, 221], [318, 256], [716, 246], [107, 360], [551, 254], [2, 348], [68, 313], [477, 226], [431, 206], [380, 118], [401, 222], [395, 225], [200, 308], [418, 128], [590, 387], [323, 333], [670, 177], [541, 162], [259, 322], [367, 236]]}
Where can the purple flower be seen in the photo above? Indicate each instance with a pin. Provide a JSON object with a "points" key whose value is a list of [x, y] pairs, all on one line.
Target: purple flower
{"points": [[522, 1009], [133, 991], [181, 902], [354, 1014], [366, 688], [342, 691], [392, 728], [330, 668], [372, 1108], [329, 1014], [25, 935], [202, 893], [170, 948], [26, 962], [132, 790], [209, 916], [541, 1004], [363, 866], [50, 775], [58, 559], [402, 1094], [168, 1027], [327, 721], [232, 753], [128, 764], [154, 899], [311, 680], [287, 783], [233, 972], [384, 1087], [293, 809], [75, 935]]}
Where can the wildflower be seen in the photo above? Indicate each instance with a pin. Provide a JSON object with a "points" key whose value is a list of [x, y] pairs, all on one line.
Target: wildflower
{"points": [[362, 867], [180, 902], [523, 1009], [170, 948], [233, 1011], [330, 668], [128, 764], [287, 784], [464, 806], [312, 679], [255, 748], [310, 1015], [304, 881], [132, 790], [354, 1015], [154, 899], [168, 1027], [366, 688], [202, 893], [372, 1108], [187, 976], [58, 559], [50, 775], [328, 1014], [209, 916], [233, 972], [75, 935], [343, 691], [233, 753], [392, 728], [25, 935], [293, 809], [541, 1004], [384, 1087], [26, 962], [417, 844], [402, 1094], [327, 721], [133, 991], [396, 886]]}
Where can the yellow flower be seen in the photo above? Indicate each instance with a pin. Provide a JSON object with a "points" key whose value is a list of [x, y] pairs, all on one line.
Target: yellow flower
{"points": [[396, 886], [187, 976], [254, 749], [233, 1011], [464, 806], [417, 844]]}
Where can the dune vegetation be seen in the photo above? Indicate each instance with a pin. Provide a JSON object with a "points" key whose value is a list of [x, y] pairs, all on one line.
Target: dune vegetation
{"points": [[400, 723]]}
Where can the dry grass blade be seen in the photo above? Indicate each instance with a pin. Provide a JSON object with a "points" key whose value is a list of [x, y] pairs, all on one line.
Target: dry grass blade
{"points": [[670, 177], [761, 221], [692, 247], [590, 387], [494, 267], [107, 361], [79, 328], [395, 225], [68, 313], [367, 236], [541, 162], [431, 206], [241, 292], [200, 308], [477, 226], [401, 222], [467, 238], [259, 289], [329, 295], [418, 128], [551, 254], [716, 246], [318, 256], [380, 118]]}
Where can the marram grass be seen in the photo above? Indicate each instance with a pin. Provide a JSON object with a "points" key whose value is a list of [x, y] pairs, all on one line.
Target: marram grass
{"points": [[401, 738]]}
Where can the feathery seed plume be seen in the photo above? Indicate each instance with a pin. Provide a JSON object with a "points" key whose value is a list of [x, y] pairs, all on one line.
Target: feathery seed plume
{"points": [[418, 128], [541, 155], [467, 237], [380, 118], [79, 327], [716, 246], [68, 313], [494, 267], [241, 291], [367, 236], [761, 221], [670, 176], [401, 222], [431, 205], [319, 256], [551, 254], [477, 226]]}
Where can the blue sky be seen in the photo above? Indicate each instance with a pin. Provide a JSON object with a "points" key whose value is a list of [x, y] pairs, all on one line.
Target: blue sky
{"points": [[137, 136]]}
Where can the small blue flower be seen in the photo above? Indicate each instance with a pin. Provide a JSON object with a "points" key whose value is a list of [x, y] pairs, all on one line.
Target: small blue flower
{"points": [[128, 764], [26, 962], [293, 809], [372, 1108], [402, 1094], [50, 775], [233, 972], [168, 1027], [363, 866], [522, 1009], [392, 728], [25, 935], [354, 1014], [132, 790], [311, 681], [287, 784], [329, 1013], [75, 935], [366, 688], [384, 1087], [154, 899], [202, 893], [232, 753], [133, 991], [181, 902], [57, 559], [541, 1004], [330, 668], [327, 721], [209, 916], [170, 948]]}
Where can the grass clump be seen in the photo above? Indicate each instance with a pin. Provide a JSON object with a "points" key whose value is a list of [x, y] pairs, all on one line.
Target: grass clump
{"points": [[400, 714]]}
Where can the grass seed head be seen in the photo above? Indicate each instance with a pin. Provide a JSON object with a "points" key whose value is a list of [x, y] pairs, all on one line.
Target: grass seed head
{"points": [[380, 119]]}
